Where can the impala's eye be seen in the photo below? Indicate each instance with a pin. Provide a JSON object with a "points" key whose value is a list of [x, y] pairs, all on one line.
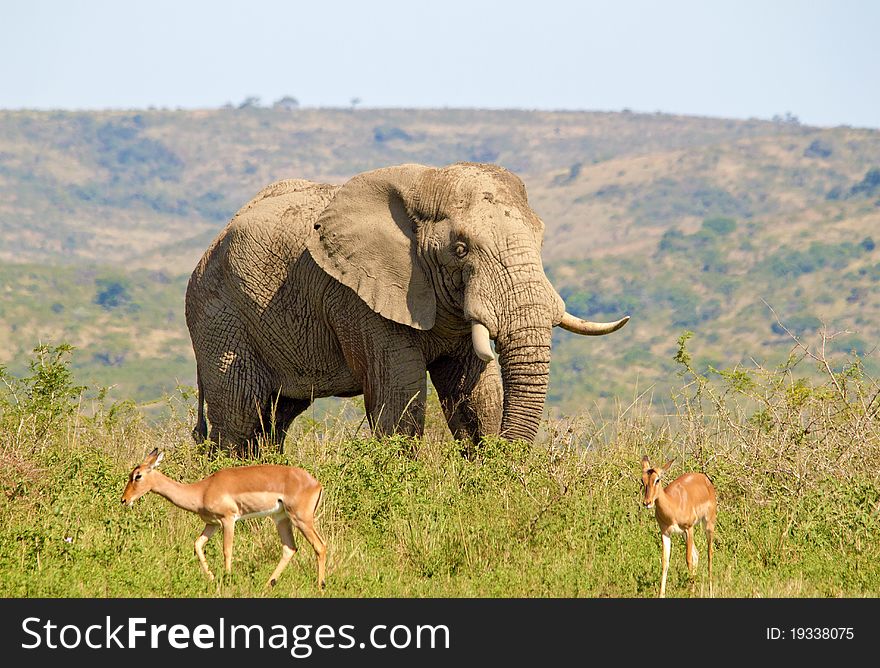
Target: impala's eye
{"points": [[138, 476], [460, 249]]}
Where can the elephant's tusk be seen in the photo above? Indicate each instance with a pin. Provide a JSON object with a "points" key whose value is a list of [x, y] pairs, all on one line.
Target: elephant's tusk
{"points": [[587, 328], [480, 339]]}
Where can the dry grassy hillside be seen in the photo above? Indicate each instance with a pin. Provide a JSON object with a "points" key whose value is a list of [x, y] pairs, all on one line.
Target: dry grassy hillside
{"points": [[134, 184], [685, 223]]}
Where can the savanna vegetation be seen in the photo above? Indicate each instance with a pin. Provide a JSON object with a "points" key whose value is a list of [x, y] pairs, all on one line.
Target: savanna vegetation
{"points": [[754, 235], [792, 451]]}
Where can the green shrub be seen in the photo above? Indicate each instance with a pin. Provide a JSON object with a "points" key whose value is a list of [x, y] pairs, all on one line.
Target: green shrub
{"points": [[719, 226], [45, 397]]}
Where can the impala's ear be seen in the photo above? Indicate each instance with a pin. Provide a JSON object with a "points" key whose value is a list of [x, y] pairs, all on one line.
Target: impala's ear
{"points": [[667, 465], [645, 464], [366, 240], [153, 459]]}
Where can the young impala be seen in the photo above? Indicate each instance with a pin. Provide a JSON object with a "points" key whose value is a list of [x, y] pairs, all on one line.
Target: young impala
{"points": [[686, 501], [289, 495]]}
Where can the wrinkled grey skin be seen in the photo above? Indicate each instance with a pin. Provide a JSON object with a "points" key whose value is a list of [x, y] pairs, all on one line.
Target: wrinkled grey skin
{"points": [[315, 290]]}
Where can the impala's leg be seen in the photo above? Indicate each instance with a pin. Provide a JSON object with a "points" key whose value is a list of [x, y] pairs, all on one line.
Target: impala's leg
{"points": [[288, 548], [710, 534], [307, 528], [228, 536], [305, 522], [664, 560], [691, 556], [200, 548]]}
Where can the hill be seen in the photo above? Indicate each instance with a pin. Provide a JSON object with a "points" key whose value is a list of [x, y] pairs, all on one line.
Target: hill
{"points": [[685, 223]]}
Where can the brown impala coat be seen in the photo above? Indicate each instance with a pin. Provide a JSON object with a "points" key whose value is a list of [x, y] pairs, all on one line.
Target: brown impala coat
{"points": [[289, 495], [686, 501]]}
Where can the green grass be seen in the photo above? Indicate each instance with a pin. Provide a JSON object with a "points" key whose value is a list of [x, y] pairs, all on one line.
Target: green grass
{"points": [[515, 522], [414, 518]]}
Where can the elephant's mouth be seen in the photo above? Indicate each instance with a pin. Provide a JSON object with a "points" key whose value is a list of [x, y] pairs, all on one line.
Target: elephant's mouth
{"points": [[524, 356], [483, 345]]}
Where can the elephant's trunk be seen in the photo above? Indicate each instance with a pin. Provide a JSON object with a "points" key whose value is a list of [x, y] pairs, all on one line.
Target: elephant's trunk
{"points": [[525, 371], [524, 350], [523, 337]]}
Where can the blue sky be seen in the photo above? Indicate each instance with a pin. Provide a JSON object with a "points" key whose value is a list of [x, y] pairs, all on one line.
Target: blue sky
{"points": [[815, 59]]}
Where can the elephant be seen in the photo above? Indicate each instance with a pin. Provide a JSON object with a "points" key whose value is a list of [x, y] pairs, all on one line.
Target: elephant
{"points": [[316, 290]]}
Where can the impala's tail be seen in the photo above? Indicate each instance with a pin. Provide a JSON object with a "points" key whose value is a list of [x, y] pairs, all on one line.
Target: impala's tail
{"points": [[318, 500], [200, 431]]}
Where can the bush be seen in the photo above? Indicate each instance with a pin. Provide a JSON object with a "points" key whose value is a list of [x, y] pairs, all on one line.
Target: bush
{"points": [[818, 149], [112, 293], [573, 172], [588, 304], [719, 226], [672, 240], [286, 103], [797, 325], [385, 133], [704, 248], [40, 400], [869, 186], [667, 201], [121, 148], [791, 263]]}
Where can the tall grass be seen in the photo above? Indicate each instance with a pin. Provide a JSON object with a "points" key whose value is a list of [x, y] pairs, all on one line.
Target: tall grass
{"points": [[794, 462]]}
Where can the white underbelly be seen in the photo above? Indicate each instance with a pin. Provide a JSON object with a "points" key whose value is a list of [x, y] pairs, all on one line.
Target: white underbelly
{"points": [[277, 509]]}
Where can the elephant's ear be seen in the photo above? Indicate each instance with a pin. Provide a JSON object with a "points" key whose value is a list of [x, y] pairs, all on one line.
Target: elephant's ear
{"points": [[366, 240]]}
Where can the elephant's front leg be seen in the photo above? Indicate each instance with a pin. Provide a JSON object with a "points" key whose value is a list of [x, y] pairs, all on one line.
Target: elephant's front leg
{"points": [[390, 366], [470, 393], [395, 387]]}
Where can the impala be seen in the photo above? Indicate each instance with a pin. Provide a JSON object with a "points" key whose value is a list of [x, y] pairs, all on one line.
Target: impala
{"points": [[686, 501], [289, 495]]}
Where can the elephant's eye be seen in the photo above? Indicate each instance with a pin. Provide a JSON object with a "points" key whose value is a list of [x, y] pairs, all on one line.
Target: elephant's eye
{"points": [[460, 249]]}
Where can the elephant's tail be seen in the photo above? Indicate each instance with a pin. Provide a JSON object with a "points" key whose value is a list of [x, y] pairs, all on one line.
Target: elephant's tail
{"points": [[200, 432]]}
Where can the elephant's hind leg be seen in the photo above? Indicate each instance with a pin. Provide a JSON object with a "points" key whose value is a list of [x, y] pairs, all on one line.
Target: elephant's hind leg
{"points": [[241, 389]]}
